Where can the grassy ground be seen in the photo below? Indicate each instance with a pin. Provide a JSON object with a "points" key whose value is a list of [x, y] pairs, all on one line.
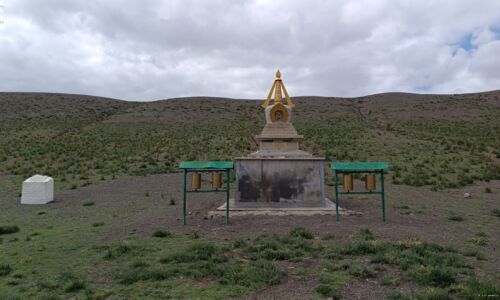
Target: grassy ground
{"points": [[124, 239], [50, 264]]}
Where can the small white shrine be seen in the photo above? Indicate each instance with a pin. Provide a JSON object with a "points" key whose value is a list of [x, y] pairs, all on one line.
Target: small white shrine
{"points": [[38, 189]]}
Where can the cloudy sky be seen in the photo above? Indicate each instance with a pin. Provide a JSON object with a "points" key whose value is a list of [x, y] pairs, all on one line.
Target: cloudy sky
{"points": [[145, 50]]}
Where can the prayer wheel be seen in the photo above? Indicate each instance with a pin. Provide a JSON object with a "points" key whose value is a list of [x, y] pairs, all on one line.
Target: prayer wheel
{"points": [[348, 183], [370, 182], [196, 181], [217, 180]]}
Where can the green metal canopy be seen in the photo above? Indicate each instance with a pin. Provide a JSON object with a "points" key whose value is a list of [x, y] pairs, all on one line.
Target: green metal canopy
{"points": [[359, 166], [206, 165]]}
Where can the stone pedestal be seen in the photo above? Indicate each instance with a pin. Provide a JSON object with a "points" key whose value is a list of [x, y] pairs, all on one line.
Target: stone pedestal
{"points": [[280, 182], [38, 189]]}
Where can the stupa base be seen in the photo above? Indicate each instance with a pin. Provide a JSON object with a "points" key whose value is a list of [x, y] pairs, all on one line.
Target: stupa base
{"points": [[279, 182], [328, 209]]}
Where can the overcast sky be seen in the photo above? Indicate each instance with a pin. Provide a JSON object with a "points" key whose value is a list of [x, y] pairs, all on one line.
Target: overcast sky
{"points": [[146, 50]]}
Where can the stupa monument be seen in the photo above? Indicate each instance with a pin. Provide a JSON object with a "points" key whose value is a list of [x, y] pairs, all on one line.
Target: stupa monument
{"points": [[279, 174]]}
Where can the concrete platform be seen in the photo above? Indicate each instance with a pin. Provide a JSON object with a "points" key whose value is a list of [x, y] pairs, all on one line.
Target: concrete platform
{"points": [[328, 209]]}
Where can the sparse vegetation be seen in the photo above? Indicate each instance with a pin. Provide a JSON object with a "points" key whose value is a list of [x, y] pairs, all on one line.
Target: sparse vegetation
{"points": [[114, 139], [475, 287], [230, 269]]}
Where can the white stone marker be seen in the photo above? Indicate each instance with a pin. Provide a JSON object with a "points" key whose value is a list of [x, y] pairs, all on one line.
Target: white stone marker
{"points": [[38, 189]]}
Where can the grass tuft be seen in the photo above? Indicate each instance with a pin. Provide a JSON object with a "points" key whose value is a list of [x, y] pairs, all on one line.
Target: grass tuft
{"points": [[301, 232], [327, 290], [162, 234], [69, 283], [7, 229], [455, 217], [117, 251], [5, 269], [474, 253], [433, 276], [74, 286], [390, 280], [365, 234], [480, 241]]}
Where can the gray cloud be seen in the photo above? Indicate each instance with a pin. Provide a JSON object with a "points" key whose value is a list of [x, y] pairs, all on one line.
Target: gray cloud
{"points": [[144, 50]]}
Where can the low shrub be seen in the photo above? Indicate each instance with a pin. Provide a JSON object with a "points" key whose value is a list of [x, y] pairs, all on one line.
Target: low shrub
{"points": [[433, 276], [117, 251], [7, 229], [455, 217], [162, 234], [390, 280], [74, 286], [480, 241], [327, 290], [5, 269], [301, 232]]}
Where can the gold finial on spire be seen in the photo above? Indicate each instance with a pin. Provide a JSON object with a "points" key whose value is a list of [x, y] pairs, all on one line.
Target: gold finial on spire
{"points": [[277, 87]]}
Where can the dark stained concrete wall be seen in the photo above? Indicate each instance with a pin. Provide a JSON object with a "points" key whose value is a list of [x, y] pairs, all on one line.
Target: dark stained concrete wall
{"points": [[280, 182]]}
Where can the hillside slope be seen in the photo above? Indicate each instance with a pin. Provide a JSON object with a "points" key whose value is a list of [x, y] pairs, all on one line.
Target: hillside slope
{"points": [[441, 141]]}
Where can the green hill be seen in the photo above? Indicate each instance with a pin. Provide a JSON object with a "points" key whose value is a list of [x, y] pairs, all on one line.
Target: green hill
{"points": [[440, 141]]}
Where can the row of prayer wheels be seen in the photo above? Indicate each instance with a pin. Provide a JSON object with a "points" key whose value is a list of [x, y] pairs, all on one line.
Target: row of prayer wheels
{"points": [[196, 180], [348, 182]]}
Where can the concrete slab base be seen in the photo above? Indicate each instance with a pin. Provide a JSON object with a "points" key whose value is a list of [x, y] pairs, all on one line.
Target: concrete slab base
{"points": [[328, 209]]}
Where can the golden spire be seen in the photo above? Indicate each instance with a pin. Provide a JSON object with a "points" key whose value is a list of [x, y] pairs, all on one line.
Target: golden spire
{"points": [[277, 87]]}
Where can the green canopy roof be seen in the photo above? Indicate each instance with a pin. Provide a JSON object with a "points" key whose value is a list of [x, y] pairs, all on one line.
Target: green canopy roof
{"points": [[206, 165], [359, 166]]}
